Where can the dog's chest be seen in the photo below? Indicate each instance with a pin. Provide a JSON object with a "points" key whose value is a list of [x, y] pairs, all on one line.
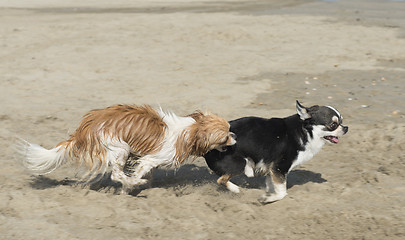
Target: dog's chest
{"points": [[312, 147]]}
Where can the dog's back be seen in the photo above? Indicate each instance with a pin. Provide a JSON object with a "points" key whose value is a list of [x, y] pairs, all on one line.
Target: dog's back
{"points": [[260, 140]]}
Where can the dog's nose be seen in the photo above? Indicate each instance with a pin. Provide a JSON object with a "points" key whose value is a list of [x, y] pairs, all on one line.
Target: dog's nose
{"points": [[345, 129], [233, 135]]}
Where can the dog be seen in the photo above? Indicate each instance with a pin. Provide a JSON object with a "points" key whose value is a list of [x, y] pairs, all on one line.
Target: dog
{"points": [[273, 147], [106, 138]]}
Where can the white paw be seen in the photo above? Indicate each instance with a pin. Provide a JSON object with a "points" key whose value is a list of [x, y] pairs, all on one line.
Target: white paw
{"points": [[269, 198], [232, 187], [125, 190], [143, 181], [138, 181]]}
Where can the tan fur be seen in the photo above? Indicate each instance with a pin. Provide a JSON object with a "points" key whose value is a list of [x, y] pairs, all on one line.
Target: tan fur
{"points": [[141, 127], [208, 132], [224, 179]]}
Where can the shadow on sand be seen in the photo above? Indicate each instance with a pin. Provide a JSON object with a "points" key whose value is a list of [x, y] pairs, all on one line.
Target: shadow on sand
{"points": [[186, 175]]}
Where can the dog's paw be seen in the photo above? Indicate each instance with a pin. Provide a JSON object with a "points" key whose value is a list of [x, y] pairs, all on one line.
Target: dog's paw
{"points": [[142, 181], [270, 198], [124, 191], [232, 187]]}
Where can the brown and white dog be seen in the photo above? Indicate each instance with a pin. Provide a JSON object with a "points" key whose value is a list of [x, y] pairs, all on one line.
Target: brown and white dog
{"points": [[107, 137]]}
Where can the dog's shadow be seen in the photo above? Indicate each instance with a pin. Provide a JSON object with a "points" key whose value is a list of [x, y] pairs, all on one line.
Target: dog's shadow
{"points": [[186, 175], [195, 175], [295, 177]]}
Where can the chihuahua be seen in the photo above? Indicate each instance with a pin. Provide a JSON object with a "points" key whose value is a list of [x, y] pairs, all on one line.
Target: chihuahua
{"points": [[273, 147]]}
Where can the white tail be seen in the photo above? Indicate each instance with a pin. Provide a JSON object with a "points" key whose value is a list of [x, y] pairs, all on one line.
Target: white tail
{"points": [[38, 159]]}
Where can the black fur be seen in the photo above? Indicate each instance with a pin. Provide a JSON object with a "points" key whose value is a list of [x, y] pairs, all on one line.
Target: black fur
{"points": [[272, 145], [274, 140]]}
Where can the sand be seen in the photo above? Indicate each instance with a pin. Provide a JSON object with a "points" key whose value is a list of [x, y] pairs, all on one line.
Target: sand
{"points": [[60, 59]]}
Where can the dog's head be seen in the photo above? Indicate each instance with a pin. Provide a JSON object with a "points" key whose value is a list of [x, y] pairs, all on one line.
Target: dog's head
{"points": [[211, 132], [208, 132], [326, 122]]}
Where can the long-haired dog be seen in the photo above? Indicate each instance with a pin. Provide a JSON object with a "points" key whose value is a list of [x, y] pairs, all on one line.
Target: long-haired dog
{"points": [[106, 138]]}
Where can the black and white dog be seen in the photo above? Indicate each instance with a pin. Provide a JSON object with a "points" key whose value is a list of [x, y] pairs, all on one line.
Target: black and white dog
{"points": [[273, 147]]}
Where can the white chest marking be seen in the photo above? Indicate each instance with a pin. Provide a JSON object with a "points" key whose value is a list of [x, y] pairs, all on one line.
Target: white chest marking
{"points": [[312, 147]]}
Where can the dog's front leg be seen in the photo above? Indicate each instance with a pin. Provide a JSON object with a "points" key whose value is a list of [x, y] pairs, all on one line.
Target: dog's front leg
{"points": [[276, 187], [224, 180]]}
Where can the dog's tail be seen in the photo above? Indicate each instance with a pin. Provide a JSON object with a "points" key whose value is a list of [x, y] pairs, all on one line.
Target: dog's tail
{"points": [[40, 160]]}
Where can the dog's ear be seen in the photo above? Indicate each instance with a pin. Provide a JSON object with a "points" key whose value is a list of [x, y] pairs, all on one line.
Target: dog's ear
{"points": [[302, 111]]}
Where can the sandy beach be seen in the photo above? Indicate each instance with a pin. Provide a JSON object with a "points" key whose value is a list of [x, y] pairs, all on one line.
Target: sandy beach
{"points": [[60, 59]]}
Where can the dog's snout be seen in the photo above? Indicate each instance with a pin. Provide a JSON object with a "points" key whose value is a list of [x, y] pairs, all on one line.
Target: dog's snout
{"points": [[233, 135], [345, 129], [231, 138]]}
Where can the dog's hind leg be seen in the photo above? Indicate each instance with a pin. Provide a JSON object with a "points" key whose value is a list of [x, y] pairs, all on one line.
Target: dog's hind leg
{"points": [[224, 180], [143, 168], [118, 175], [117, 157], [276, 187]]}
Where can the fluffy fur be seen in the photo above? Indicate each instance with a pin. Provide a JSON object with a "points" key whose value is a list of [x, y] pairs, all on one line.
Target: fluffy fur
{"points": [[273, 147], [107, 137]]}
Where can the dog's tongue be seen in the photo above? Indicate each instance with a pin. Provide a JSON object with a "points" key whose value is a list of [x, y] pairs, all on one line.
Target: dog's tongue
{"points": [[334, 139]]}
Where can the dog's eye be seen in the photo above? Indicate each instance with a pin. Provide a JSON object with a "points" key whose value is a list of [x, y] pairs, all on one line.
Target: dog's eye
{"points": [[333, 126]]}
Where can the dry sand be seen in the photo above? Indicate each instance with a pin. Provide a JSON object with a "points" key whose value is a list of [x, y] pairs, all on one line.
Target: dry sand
{"points": [[235, 58]]}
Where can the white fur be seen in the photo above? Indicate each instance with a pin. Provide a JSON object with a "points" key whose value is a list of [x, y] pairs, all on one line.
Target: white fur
{"points": [[261, 167], [175, 126], [39, 159], [232, 187], [233, 141], [302, 112], [312, 147], [337, 112], [250, 165], [43, 161], [274, 191], [117, 155], [165, 157]]}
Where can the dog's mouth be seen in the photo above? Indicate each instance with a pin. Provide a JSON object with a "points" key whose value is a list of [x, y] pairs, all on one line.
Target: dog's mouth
{"points": [[332, 139]]}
